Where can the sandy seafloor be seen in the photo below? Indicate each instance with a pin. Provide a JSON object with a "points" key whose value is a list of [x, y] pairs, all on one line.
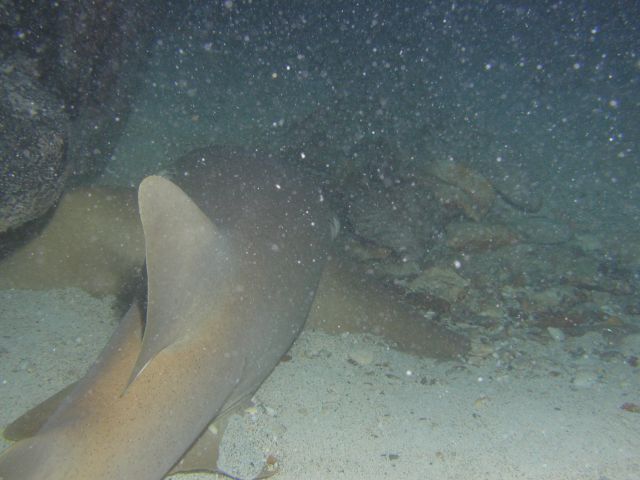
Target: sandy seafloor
{"points": [[351, 408]]}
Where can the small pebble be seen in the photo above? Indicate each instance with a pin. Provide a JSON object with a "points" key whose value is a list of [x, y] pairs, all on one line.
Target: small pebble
{"points": [[631, 407], [556, 334], [361, 357], [585, 379]]}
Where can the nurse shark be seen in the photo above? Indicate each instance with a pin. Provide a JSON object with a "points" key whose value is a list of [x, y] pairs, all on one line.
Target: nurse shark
{"points": [[235, 245]]}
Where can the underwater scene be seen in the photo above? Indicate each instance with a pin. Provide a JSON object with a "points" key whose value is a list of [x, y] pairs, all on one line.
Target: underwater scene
{"points": [[319, 240]]}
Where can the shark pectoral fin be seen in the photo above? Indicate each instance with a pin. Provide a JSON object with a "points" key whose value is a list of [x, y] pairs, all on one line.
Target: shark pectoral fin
{"points": [[347, 300], [30, 422], [104, 380], [186, 258], [88, 397]]}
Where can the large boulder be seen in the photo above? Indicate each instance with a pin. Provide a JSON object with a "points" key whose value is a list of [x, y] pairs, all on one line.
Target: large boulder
{"points": [[102, 48], [68, 76], [33, 133]]}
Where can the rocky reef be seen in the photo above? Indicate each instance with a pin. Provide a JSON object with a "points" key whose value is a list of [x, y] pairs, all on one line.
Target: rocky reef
{"points": [[68, 72]]}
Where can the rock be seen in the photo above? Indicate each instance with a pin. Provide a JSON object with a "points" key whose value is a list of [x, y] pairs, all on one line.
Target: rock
{"points": [[33, 140], [396, 270], [453, 201], [556, 334], [364, 251], [590, 274], [89, 52], [361, 356], [240, 453], [442, 283], [573, 321], [404, 218], [585, 378], [471, 236], [101, 47], [476, 193], [543, 231], [481, 349], [590, 343], [631, 345], [589, 243], [379, 217], [518, 192], [555, 298]]}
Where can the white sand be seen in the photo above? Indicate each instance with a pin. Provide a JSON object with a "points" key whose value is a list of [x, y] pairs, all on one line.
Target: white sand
{"points": [[349, 408]]}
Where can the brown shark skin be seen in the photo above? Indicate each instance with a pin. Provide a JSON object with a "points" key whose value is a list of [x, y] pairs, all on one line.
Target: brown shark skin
{"points": [[211, 338], [93, 241], [348, 300]]}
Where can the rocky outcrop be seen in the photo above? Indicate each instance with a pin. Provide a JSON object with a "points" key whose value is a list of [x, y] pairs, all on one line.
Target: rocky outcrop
{"points": [[466, 188], [68, 75], [479, 237], [102, 50], [33, 139]]}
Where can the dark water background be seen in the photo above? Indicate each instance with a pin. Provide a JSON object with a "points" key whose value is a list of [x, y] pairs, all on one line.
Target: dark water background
{"points": [[543, 81], [547, 89]]}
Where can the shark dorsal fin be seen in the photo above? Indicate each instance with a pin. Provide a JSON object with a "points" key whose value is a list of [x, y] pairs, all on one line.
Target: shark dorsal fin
{"points": [[186, 258]]}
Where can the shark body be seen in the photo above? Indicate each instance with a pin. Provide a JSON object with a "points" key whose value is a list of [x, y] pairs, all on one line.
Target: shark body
{"points": [[235, 247]]}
